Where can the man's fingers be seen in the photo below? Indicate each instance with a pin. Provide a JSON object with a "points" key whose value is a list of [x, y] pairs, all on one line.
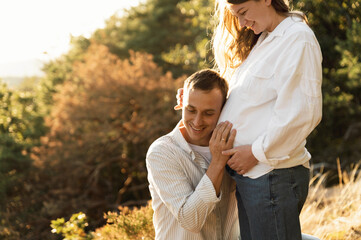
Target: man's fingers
{"points": [[223, 133], [215, 133], [231, 138], [219, 131], [226, 131]]}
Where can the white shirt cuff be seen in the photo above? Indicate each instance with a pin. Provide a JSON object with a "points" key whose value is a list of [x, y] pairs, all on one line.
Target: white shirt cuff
{"points": [[206, 191], [258, 152]]}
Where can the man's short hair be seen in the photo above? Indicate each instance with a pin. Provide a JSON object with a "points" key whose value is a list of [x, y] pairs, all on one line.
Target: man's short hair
{"points": [[207, 80]]}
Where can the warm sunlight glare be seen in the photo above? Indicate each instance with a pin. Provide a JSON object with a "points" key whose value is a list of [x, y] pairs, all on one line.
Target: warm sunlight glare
{"points": [[41, 29]]}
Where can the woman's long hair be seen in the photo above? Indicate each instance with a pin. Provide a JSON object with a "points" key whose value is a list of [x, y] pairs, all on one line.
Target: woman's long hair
{"points": [[233, 43]]}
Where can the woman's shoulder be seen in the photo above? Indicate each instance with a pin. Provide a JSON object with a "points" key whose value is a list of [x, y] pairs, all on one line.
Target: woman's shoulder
{"points": [[300, 31], [298, 25]]}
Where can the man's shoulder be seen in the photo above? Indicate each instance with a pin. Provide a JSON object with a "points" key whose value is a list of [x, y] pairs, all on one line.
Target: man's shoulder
{"points": [[161, 142], [164, 145], [165, 152]]}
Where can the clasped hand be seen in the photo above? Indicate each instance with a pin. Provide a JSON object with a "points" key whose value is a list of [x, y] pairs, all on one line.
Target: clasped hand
{"points": [[242, 159]]}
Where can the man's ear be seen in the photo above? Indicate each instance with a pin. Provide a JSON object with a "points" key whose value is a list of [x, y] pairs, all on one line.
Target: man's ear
{"points": [[179, 99], [268, 2]]}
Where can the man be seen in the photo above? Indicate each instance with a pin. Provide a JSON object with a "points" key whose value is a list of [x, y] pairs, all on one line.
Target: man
{"points": [[193, 197]]}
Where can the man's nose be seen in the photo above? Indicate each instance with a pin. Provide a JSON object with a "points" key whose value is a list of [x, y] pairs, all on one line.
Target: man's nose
{"points": [[198, 120]]}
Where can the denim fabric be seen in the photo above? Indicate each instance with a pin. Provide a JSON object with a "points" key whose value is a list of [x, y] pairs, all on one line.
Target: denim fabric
{"points": [[269, 206], [309, 237]]}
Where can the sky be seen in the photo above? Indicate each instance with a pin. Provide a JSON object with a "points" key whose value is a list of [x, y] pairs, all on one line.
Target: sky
{"points": [[35, 31]]}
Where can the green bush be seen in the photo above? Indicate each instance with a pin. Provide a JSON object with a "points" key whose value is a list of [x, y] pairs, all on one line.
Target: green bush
{"points": [[72, 229], [127, 224]]}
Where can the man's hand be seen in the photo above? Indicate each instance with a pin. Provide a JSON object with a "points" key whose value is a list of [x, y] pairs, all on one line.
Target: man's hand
{"points": [[242, 159], [222, 139]]}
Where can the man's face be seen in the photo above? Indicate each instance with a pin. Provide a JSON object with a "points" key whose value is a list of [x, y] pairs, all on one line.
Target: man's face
{"points": [[200, 113]]}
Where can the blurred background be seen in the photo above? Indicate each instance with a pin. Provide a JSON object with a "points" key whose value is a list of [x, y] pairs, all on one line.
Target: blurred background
{"points": [[87, 86]]}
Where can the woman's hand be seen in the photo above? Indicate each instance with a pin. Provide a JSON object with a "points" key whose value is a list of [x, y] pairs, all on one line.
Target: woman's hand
{"points": [[179, 99], [242, 159], [222, 139]]}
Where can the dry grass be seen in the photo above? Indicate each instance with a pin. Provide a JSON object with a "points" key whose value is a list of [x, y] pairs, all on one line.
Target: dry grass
{"points": [[329, 213], [334, 213]]}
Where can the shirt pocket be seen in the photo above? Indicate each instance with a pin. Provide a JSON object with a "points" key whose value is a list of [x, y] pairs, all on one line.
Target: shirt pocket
{"points": [[257, 84]]}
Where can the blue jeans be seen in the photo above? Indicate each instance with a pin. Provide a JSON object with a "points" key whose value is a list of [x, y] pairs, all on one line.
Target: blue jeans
{"points": [[269, 206]]}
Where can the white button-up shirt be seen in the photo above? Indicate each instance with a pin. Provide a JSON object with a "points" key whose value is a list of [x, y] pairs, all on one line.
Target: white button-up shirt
{"points": [[183, 197], [275, 97]]}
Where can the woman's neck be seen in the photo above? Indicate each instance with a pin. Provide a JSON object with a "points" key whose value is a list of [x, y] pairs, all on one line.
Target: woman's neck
{"points": [[276, 20]]}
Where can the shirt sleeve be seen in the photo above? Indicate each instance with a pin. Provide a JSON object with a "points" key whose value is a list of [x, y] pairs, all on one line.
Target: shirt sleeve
{"points": [[188, 204], [298, 108]]}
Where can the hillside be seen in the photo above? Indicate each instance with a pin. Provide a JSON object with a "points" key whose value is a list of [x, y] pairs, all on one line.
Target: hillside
{"points": [[12, 82]]}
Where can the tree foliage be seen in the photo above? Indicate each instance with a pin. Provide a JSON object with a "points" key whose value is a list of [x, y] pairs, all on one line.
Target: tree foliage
{"points": [[338, 32], [176, 33], [58, 70], [21, 127], [112, 94], [105, 116]]}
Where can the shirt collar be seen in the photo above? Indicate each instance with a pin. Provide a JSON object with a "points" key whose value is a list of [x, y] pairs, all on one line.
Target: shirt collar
{"points": [[183, 144], [281, 28], [178, 136]]}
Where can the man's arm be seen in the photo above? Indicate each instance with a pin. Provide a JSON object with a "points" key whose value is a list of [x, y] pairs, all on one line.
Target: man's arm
{"points": [[189, 204]]}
